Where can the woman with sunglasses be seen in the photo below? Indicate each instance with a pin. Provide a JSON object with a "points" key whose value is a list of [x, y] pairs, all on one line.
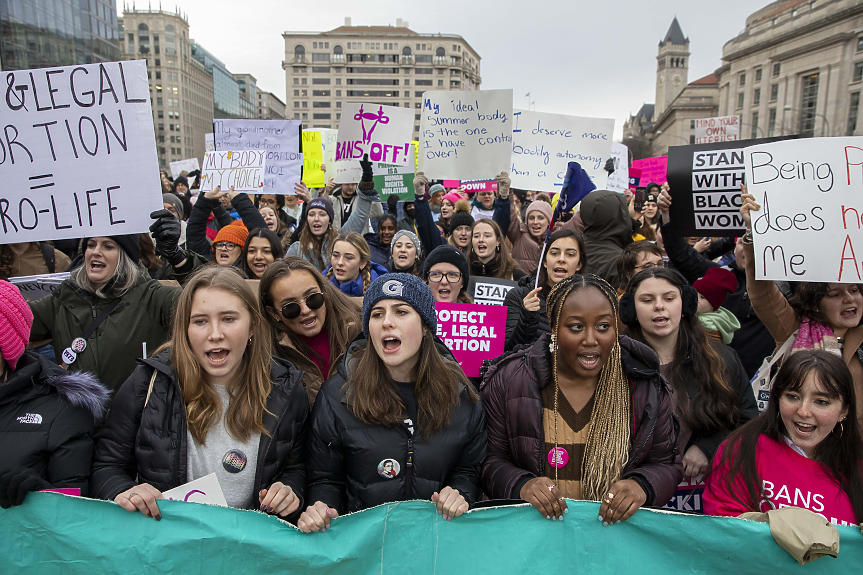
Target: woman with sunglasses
{"points": [[311, 321]]}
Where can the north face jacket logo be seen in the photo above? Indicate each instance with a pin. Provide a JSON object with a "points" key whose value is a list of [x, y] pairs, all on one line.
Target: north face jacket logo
{"points": [[30, 418]]}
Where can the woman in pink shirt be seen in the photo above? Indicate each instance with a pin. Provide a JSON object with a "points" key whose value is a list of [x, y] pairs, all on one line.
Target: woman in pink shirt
{"points": [[803, 451]]}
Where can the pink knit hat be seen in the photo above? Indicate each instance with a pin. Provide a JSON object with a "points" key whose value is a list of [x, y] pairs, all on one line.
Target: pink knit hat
{"points": [[453, 196], [16, 319]]}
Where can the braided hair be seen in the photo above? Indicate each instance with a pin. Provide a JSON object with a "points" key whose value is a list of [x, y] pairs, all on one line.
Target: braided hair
{"points": [[606, 450]]}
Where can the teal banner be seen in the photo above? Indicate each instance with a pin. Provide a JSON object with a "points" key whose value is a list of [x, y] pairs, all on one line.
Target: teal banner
{"points": [[55, 534]]}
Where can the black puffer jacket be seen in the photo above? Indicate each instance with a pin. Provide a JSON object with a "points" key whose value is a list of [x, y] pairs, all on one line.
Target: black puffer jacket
{"points": [[150, 442], [344, 453], [47, 416], [524, 327]]}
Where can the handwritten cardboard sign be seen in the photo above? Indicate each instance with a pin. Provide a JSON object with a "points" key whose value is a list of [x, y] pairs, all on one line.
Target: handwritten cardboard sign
{"points": [[811, 194], [543, 144], [721, 129], [243, 171], [203, 490], [77, 153], [618, 181], [346, 172], [465, 135], [382, 132], [278, 139], [313, 157], [328, 140], [36, 287], [180, 166], [473, 333], [652, 170], [489, 291]]}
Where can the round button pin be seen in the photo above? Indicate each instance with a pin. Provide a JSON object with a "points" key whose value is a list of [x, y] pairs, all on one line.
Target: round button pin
{"points": [[69, 356], [558, 457], [79, 344], [234, 461], [388, 468]]}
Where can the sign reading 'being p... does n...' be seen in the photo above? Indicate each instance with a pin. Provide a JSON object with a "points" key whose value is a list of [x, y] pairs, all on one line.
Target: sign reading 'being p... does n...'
{"points": [[77, 152], [705, 184]]}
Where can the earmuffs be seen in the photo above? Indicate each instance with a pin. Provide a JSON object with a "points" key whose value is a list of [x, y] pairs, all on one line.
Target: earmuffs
{"points": [[626, 305]]}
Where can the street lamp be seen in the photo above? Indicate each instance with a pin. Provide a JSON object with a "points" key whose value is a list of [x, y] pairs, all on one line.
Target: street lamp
{"points": [[826, 122]]}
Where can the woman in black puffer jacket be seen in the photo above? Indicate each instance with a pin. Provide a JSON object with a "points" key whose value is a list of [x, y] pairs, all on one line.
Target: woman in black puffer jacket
{"points": [[215, 402], [384, 431]]}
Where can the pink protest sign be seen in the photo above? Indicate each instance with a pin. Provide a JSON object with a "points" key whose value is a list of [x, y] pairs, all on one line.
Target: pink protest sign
{"points": [[382, 132], [472, 332], [471, 185], [652, 170]]}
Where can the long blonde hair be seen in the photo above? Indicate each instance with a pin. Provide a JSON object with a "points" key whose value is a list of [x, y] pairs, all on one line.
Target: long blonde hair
{"points": [[606, 450], [245, 412], [362, 247]]}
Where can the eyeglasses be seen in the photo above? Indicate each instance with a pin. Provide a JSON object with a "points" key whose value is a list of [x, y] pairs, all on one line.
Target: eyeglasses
{"points": [[266, 202], [451, 277], [229, 246], [650, 266], [292, 309]]}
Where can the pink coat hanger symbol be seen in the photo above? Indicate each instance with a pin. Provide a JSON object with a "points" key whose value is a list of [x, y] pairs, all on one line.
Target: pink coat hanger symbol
{"points": [[378, 118]]}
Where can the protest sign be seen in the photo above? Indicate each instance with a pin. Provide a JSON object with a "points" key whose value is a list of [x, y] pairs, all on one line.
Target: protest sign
{"points": [[181, 166], [78, 155], [242, 171], [543, 144], [313, 157], [328, 139], [687, 497], [618, 181], [652, 170], [278, 139], [416, 146], [473, 333], [55, 535], [634, 179], [465, 134], [202, 490], [705, 186], [346, 172], [36, 287], [382, 132], [395, 179], [809, 227], [489, 291], [209, 143], [721, 129], [471, 185]]}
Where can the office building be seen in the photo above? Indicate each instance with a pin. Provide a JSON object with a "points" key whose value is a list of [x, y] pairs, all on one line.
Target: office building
{"points": [[270, 107]]}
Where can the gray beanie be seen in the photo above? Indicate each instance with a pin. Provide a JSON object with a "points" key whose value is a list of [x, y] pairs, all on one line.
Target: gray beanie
{"points": [[404, 287], [411, 236], [175, 201]]}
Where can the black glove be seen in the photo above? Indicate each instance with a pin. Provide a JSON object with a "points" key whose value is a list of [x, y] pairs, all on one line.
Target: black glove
{"points": [[367, 169], [392, 204], [16, 483], [609, 166], [166, 230]]}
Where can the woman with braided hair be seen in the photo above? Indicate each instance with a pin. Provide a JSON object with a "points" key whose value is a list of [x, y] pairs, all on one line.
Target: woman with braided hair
{"points": [[351, 268], [582, 413]]}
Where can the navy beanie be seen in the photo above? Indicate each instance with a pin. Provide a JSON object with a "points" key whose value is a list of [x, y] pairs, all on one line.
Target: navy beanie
{"points": [[403, 287], [322, 204], [128, 243]]}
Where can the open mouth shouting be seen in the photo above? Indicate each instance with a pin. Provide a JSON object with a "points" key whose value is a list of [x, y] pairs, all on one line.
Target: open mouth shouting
{"points": [[660, 320], [560, 272], [391, 344], [259, 268], [218, 356], [849, 313], [804, 429], [589, 360], [97, 266]]}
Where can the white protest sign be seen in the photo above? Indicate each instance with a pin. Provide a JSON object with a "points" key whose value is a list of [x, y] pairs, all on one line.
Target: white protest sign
{"points": [[543, 144], [209, 143], [279, 139], [243, 171], [78, 153], [328, 139], [382, 132], [488, 290], [809, 227], [619, 180], [181, 166], [36, 287], [465, 135], [203, 490], [721, 129], [346, 172]]}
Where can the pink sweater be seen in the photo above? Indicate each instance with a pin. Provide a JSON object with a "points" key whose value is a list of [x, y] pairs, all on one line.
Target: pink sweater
{"points": [[789, 480]]}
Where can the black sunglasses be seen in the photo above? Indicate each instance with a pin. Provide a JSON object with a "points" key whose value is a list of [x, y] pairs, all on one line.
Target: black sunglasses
{"points": [[292, 309]]}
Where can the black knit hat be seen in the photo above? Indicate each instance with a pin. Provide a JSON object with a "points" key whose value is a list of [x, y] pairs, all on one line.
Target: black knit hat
{"points": [[460, 218], [127, 243], [450, 255]]}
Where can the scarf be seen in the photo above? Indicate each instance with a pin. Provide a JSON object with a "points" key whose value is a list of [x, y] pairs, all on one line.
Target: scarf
{"points": [[816, 335], [488, 269]]}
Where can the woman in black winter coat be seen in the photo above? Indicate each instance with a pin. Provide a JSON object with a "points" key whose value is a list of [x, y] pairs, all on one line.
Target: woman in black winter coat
{"points": [[196, 227], [47, 413], [400, 421], [526, 318], [215, 401]]}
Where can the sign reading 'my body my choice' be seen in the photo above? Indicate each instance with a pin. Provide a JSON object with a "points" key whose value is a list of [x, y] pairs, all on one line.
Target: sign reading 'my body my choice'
{"points": [[279, 139], [543, 144], [78, 153], [242, 171], [809, 227], [465, 135]]}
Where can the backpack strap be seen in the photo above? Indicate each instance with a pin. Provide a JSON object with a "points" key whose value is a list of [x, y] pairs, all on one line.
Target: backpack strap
{"points": [[48, 255]]}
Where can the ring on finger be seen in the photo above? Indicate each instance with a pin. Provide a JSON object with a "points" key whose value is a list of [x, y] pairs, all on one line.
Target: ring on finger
{"points": [[131, 495]]}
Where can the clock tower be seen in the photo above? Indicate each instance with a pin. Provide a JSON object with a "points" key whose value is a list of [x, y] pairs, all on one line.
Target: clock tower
{"points": [[672, 67]]}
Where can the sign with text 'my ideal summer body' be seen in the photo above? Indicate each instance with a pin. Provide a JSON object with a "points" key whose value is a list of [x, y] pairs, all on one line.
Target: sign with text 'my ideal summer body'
{"points": [[77, 153], [465, 135], [472, 332], [543, 144], [810, 226], [382, 132], [278, 139]]}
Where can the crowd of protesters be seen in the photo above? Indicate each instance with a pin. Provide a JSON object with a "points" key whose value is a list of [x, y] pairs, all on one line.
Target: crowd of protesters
{"points": [[322, 389]]}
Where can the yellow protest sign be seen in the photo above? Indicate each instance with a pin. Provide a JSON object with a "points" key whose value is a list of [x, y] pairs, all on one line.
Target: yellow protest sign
{"points": [[313, 156], [416, 145]]}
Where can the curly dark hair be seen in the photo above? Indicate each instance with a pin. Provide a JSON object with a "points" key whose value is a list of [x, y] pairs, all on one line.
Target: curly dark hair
{"points": [[806, 300]]}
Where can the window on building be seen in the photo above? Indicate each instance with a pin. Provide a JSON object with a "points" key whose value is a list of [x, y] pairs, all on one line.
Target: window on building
{"points": [[758, 75], [321, 81], [304, 81], [741, 81], [692, 138], [299, 53], [808, 104], [338, 93], [754, 125], [739, 100], [315, 46], [858, 72], [756, 97], [304, 93], [776, 70], [296, 115], [691, 124], [859, 43], [320, 69], [305, 116], [407, 94], [296, 104], [424, 70], [305, 104], [296, 93], [440, 83], [321, 93], [422, 83], [774, 92], [338, 104], [418, 105], [853, 109], [321, 116], [320, 58], [321, 105]]}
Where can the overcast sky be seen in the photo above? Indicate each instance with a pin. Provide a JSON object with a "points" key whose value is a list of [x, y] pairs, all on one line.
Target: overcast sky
{"points": [[594, 59]]}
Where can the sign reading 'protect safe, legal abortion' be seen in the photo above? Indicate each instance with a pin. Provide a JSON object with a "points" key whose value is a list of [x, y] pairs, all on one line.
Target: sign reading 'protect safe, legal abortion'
{"points": [[77, 152]]}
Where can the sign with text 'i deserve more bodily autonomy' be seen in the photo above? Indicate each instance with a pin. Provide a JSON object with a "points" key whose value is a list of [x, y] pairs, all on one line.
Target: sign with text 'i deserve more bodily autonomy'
{"points": [[77, 153]]}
